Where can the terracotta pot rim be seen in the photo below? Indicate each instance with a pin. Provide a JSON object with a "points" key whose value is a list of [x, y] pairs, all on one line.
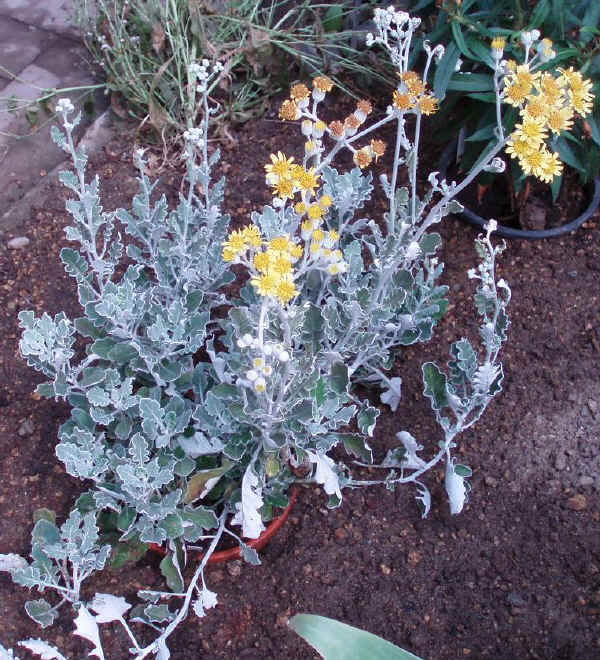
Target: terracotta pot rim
{"points": [[258, 544]]}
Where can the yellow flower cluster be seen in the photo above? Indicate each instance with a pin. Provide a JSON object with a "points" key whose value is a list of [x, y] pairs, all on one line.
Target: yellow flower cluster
{"points": [[364, 156], [273, 269], [288, 178], [291, 109], [270, 262], [321, 249], [547, 104], [412, 94]]}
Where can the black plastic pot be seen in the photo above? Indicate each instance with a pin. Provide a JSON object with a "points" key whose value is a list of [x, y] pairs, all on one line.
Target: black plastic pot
{"points": [[509, 232]]}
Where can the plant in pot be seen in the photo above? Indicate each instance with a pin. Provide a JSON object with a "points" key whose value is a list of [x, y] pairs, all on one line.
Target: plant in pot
{"points": [[197, 405], [525, 206]]}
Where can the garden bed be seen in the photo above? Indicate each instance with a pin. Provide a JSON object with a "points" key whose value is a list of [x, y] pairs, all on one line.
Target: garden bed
{"points": [[516, 575]]}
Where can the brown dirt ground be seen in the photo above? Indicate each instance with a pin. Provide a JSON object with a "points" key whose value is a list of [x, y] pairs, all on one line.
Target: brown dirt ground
{"points": [[517, 575]]}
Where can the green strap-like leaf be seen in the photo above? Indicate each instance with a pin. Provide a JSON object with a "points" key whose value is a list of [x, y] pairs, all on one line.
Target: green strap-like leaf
{"points": [[338, 641]]}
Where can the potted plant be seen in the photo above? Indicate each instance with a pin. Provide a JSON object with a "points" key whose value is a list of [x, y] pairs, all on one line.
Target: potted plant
{"points": [[524, 206], [191, 426]]}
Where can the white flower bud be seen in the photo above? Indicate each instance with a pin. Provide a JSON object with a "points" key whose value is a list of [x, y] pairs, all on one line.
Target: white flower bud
{"points": [[283, 356], [306, 127], [413, 251], [251, 375], [491, 226], [65, 106]]}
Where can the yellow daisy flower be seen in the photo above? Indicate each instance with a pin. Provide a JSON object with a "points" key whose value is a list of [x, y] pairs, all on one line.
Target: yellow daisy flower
{"points": [[307, 180], [280, 244], [402, 100], [315, 212], [280, 167], [252, 235], [266, 284], [428, 104], [532, 131], [560, 119]]}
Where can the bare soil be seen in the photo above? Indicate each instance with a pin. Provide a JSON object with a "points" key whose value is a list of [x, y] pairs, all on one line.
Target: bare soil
{"points": [[516, 575]]}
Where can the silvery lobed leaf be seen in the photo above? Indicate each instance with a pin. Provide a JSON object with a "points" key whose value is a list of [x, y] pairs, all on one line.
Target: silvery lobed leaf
{"points": [[11, 563], [200, 445], [209, 598], [162, 652], [393, 393], [205, 601], [424, 497], [7, 654], [41, 648], [108, 607], [248, 515], [411, 446], [86, 627], [325, 474], [484, 377], [455, 487]]}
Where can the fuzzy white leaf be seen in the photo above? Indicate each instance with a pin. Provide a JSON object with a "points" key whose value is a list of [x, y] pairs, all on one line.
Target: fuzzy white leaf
{"points": [[41, 648], [206, 600], [86, 627], [424, 497], [198, 608], [248, 515], [7, 654], [162, 652], [455, 487], [484, 377], [411, 446], [325, 474], [108, 607], [209, 598], [11, 563], [393, 394]]}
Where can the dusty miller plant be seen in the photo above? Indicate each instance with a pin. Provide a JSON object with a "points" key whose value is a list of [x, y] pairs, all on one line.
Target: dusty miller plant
{"points": [[190, 425]]}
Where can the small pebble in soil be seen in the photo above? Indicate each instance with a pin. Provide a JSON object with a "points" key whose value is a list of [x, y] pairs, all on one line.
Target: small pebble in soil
{"points": [[18, 243], [586, 481], [577, 502], [593, 406], [561, 461], [234, 568], [385, 569], [515, 600], [26, 428]]}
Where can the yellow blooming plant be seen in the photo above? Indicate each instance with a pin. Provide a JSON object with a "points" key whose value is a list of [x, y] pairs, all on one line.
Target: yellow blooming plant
{"points": [[548, 103]]}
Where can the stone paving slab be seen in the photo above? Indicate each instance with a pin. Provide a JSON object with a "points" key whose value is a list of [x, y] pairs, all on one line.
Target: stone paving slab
{"points": [[19, 45], [31, 81], [38, 45], [54, 15]]}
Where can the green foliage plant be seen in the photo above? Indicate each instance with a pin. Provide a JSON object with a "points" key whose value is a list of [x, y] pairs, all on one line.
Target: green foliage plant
{"points": [[466, 75], [145, 48], [194, 409]]}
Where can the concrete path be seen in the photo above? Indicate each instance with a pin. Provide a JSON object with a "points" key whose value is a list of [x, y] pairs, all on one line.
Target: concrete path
{"points": [[39, 50]]}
